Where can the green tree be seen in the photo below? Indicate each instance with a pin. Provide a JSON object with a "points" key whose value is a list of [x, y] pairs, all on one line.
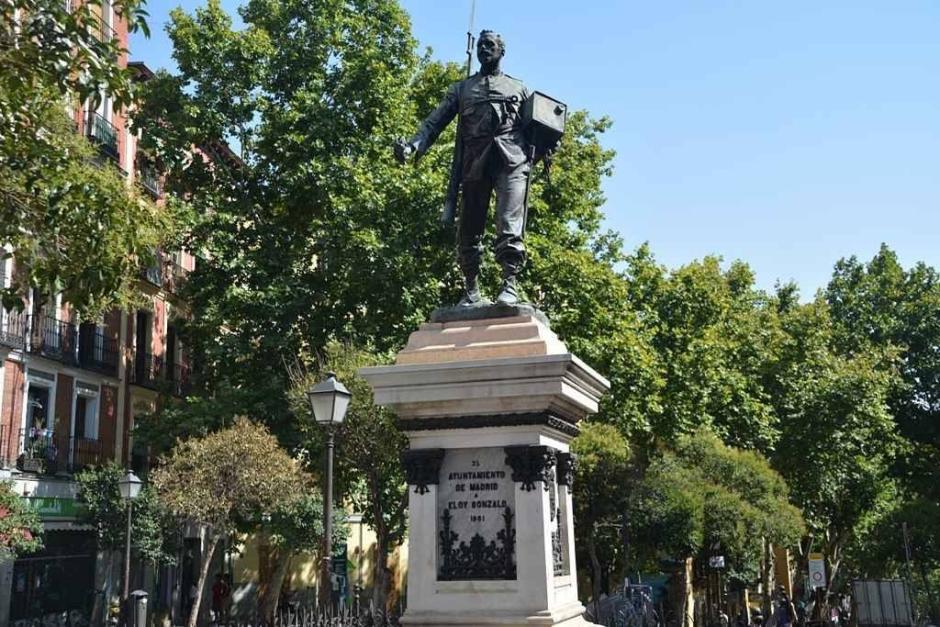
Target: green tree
{"points": [[369, 447], [705, 494], [73, 226], [235, 474], [20, 525], [153, 532], [837, 425], [600, 498], [709, 336], [880, 304], [292, 529]]}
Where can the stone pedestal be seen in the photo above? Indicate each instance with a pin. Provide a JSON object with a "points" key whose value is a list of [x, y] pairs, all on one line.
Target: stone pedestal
{"points": [[489, 406]]}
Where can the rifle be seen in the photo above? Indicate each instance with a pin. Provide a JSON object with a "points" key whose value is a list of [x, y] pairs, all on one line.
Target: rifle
{"points": [[453, 187]]}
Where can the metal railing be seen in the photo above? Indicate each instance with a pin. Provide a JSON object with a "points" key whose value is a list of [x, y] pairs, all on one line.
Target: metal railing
{"points": [[103, 133], [86, 346], [149, 178], [176, 274], [164, 271], [148, 371], [97, 351], [53, 338], [178, 377], [14, 326], [41, 451], [105, 31], [155, 373]]}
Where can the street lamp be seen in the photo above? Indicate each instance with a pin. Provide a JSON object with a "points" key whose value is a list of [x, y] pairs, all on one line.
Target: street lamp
{"points": [[329, 400], [130, 489]]}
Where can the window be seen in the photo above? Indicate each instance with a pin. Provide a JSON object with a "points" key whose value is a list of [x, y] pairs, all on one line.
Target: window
{"points": [[86, 412]]}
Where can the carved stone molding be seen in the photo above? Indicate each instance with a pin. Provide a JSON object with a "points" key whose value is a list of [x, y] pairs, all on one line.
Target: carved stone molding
{"points": [[498, 420], [531, 464], [422, 467], [567, 464]]}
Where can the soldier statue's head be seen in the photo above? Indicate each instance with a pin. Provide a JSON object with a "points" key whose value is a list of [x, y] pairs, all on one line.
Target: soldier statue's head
{"points": [[490, 48]]}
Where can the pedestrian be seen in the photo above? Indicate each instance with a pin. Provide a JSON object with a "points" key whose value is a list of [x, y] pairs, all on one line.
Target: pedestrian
{"points": [[218, 592], [785, 613]]}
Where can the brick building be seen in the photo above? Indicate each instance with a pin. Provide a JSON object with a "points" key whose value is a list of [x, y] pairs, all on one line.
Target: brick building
{"points": [[71, 388]]}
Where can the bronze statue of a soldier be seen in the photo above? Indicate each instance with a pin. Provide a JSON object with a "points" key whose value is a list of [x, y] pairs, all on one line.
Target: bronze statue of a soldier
{"points": [[494, 153]]}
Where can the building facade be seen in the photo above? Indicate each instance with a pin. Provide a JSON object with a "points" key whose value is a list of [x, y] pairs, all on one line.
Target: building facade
{"points": [[71, 390]]}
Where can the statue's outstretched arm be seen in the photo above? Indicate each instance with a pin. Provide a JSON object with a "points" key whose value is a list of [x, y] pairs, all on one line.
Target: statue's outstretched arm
{"points": [[432, 126]]}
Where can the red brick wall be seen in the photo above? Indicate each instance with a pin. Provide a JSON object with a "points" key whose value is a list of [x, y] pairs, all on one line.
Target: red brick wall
{"points": [[63, 408], [11, 408], [107, 420], [112, 324]]}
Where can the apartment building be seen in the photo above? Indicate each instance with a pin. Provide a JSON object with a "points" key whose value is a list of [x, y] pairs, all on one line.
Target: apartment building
{"points": [[71, 390]]}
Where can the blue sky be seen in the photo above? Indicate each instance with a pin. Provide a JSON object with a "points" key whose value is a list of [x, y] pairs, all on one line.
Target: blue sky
{"points": [[787, 135]]}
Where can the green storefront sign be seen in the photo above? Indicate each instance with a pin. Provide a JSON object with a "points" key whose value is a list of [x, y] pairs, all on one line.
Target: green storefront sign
{"points": [[53, 507]]}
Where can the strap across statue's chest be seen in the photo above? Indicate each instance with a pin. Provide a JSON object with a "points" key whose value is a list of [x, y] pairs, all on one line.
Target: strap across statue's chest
{"points": [[488, 106]]}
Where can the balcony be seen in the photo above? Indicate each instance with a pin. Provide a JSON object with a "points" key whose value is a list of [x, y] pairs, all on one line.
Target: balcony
{"points": [[165, 272], [148, 371], [102, 133], [97, 351], [53, 339], [154, 373], [149, 178], [103, 31], [86, 346], [38, 451], [13, 328], [178, 378]]}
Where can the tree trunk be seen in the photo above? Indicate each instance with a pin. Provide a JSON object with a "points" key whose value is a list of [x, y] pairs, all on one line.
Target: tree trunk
{"points": [[201, 584], [767, 574], [381, 575], [267, 604], [595, 574]]}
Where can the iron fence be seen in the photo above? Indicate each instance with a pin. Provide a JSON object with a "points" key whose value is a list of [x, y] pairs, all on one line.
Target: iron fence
{"points": [[312, 617], [631, 607]]}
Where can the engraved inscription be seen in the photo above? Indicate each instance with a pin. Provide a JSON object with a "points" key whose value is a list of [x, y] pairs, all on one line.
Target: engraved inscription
{"points": [[476, 516]]}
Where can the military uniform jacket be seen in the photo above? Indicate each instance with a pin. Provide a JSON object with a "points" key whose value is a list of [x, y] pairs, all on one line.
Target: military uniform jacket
{"points": [[489, 107]]}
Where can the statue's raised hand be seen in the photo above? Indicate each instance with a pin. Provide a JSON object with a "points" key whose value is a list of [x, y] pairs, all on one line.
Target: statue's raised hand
{"points": [[403, 150]]}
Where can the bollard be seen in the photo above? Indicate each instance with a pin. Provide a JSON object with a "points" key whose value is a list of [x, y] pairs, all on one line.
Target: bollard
{"points": [[137, 609]]}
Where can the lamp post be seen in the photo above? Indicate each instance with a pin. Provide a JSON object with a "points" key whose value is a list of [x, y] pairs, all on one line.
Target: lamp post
{"points": [[130, 488], [329, 400]]}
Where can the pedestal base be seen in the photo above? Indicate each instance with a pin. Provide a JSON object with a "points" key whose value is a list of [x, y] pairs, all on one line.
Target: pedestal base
{"points": [[568, 616], [489, 406]]}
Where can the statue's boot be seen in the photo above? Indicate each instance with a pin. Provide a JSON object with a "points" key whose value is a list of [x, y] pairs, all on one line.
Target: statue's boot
{"points": [[471, 294], [509, 293]]}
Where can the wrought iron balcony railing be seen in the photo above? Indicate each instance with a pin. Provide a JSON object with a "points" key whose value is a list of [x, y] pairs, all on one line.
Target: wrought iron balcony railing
{"points": [[155, 373], [103, 133], [149, 178], [41, 451], [97, 351], [53, 338], [148, 371], [14, 327]]}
